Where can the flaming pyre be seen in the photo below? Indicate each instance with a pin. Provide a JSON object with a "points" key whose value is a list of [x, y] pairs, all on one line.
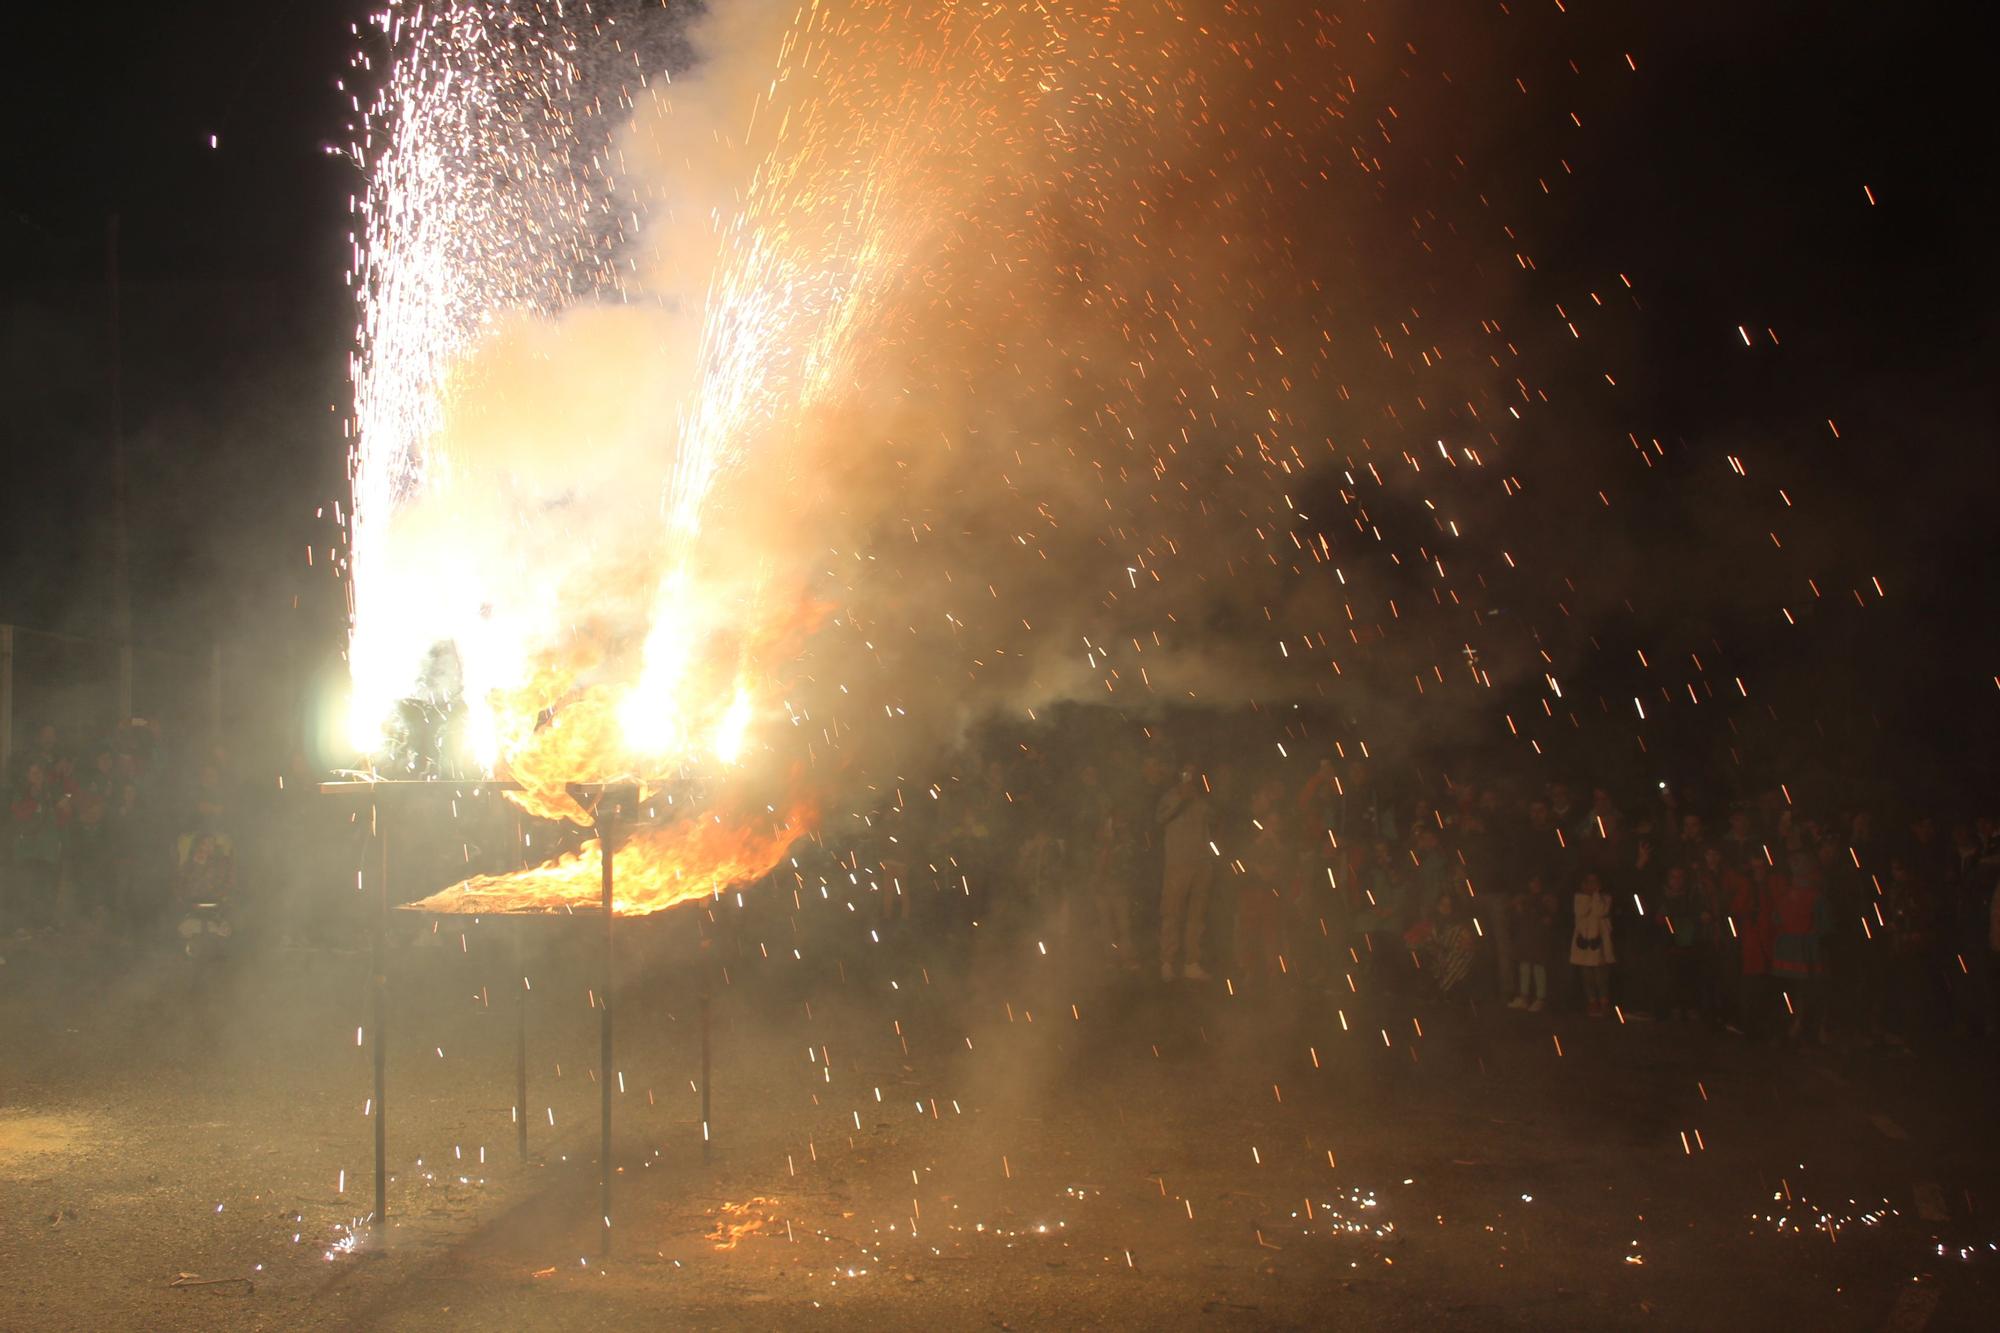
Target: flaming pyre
{"points": [[655, 866]]}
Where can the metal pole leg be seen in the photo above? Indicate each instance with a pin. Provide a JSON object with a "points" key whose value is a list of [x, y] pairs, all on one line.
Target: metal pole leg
{"points": [[607, 818], [377, 1019], [520, 1047], [520, 1010], [705, 1122]]}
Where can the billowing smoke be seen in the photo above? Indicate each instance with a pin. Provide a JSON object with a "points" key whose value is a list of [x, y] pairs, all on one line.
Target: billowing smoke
{"points": [[950, 363]]}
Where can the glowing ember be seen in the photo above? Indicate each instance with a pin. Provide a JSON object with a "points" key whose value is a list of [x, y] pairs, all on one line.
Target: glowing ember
{"points": [[734, 1221]]}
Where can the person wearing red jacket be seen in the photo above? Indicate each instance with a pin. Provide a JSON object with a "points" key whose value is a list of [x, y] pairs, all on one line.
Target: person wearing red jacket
{"points": [[1798, 963]]}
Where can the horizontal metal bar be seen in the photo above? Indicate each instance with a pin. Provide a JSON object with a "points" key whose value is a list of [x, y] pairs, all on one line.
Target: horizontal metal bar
{"points": [[589, 913], [440, 787], [389, 786]]}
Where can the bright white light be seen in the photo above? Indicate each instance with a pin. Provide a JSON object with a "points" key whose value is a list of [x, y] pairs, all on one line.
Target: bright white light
{"points": [[647, 719], [729, 733]]}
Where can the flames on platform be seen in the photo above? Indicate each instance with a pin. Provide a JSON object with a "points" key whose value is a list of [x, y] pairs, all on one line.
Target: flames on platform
{"points": [[656, 866], [575, 722]]}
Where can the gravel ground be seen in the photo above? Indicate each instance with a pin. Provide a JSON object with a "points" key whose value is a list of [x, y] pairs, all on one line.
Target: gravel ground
{"points": [[909, 1138]]}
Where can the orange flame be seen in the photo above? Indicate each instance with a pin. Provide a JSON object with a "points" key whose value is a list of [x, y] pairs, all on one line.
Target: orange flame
{"points": [[656, 867], [555, 730], [578, 743]]}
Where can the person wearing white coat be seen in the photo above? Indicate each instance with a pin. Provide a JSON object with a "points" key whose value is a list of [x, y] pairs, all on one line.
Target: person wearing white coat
{"points": [[1590, 943]]}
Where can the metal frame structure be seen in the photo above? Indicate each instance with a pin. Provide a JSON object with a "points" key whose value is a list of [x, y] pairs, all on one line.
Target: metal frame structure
{"points": [[609, 805]]}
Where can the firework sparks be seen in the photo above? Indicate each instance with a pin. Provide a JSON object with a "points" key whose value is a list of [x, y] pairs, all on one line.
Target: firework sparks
{"points": [[886, 369]]}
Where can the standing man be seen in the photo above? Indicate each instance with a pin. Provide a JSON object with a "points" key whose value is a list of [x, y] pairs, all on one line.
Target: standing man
{"points": [[1187, 829]]}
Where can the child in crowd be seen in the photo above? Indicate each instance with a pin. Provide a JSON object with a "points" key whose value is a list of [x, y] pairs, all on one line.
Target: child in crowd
{"points": [[1590, 946]]}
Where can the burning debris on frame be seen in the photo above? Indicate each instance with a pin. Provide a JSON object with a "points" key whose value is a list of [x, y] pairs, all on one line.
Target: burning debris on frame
{"points": [[1053, 664]]}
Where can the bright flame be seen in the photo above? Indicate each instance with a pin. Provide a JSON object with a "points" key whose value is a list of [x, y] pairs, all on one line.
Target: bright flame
{"points": [[657, 867], [364, 722], [729, 733]]}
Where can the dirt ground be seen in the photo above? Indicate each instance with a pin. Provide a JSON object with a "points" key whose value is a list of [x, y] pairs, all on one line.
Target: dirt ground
{"points": [[905, 1137]]}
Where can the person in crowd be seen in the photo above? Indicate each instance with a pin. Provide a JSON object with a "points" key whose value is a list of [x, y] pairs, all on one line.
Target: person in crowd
{"points": [[1534, 915], [1970, 877], [1679, 916], [1187, 826], [1752, 914], [1365, 811], [1112, 874], [209, 812], [1601, 836], [1229, 799], [1436, 869], [41, 814], [1479, 855], [205, 891], [1321, 799], [1798, 962], [208, 875], [1926, 851], [1268, 892], [1681, 829], [1444, 942], [1564, 813], [1740, 845], [1383, 913], [1540, 848], [1321, 924], [1082, 809], [1642, 937], [42, 750], [1852, 955], [125, 844], [1911, 993], [971, 846], [1038, 902], [90, 861], [1717, 885], [1590, 947]]}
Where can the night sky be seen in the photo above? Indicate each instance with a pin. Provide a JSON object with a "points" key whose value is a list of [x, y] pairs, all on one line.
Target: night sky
{"points": [[1726, 175]]}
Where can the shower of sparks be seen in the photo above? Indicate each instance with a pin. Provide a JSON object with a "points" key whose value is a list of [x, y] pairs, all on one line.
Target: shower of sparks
{"points": [[477, 202], [1139, 354]]}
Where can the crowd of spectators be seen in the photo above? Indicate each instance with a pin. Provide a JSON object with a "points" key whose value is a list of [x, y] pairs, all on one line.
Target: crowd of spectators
{"points": [[117, 834], [1747, 914], [1750, 915]]}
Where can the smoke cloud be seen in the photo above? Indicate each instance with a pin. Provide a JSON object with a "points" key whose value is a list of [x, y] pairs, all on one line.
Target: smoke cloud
{"points": [[953, 365]]}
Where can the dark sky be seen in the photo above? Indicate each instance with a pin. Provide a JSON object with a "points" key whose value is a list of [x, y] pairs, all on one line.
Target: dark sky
{"points": [[117, 115], [232, 296], [1726, 175]]}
